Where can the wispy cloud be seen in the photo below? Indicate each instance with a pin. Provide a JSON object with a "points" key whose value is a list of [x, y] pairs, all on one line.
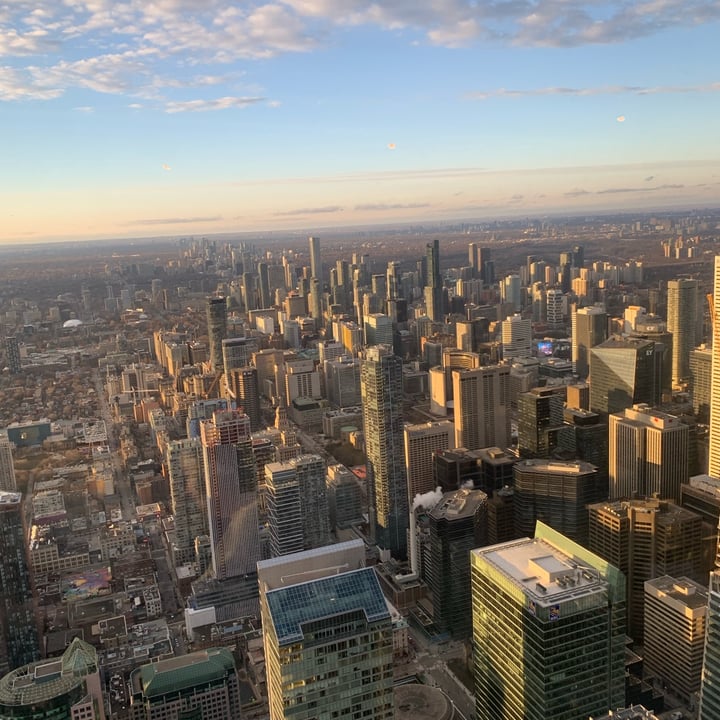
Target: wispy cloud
{"points": [[381, 207], [600, 90], [615, 191], [174, 220], [311, 211], [223, 103]]}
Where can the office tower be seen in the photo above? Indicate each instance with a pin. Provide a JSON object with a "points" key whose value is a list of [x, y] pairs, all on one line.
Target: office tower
{"points": [[264, 288], [675, 617], [645, 539], [624, 371], [556, 493], [651, 327], [700, 371], [64, 687], [647, 454], [501, 517], [315, 305], [434, 284], [422, 442], [231, 489], [238, 352], [345, 501], [516, 337], [682, 309], [589, 328], [482, 407], [549, 630], [540, 421], [7, 467], [302, 380], [315, 259], [381, 391], [297, 506], [378, 329], [454, 468], [18, 627], [217, 330], [473, 259], [554, 304], [511, 292], [327, 633], [201, 685], [714, 447], [458, 523], [710, 683], [187, 496], [342, 382], [12, 353], [242, 386]]}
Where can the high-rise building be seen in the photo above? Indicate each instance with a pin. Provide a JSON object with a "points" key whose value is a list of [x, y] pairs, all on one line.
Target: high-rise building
{"points": [[7, 467], [682, 309], [556, 493], [381, 391], [243, 388], [18, 626], [422, 442], [434, 285], [12, 352], [540, 421], [548, 629], [327, 632], [482, 407], [238, 352], [64, 687], [315, 259], [231, 489], [187, 495], [714, 447], [589, 328], [647, 454], [555, 307], [378, 329], [645, 539], [458, 523], [700, 370], [710, 684], [264, 285], [624, 371], [675, 617], [516, 337], [217, 330], [202, 685]]}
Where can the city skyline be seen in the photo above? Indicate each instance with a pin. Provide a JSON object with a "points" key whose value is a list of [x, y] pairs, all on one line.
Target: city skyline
{"points": [[126, 120]]}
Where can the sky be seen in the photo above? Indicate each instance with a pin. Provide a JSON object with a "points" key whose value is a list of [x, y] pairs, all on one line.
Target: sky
{"points": [[137, 118]]}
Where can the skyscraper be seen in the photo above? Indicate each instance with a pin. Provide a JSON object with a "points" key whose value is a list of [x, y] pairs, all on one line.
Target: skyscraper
{"points": [[187, 495], [238, 352], [647, 454], [421, 443], [231, 488], [645, 539], [710, 685], [540, 421], [589, 328], [482, 407], [381, 391], [458, 523], [434, 286], [624, 371], [549, 630], [327, 633], [714, 449], [18, 628], [516, 337], [243, 387], [217, 330], [7, 467], [682, 309], [315, 259]]}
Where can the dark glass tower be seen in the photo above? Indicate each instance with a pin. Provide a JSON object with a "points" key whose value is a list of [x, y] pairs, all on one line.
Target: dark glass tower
{"points": [[217, 330]]}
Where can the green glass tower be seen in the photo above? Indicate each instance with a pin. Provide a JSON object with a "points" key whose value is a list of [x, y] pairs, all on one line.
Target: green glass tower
{"points": [[549, 630]]}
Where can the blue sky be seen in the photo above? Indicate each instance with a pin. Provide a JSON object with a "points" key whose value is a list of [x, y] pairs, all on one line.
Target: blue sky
{"points": [[137, 118]]}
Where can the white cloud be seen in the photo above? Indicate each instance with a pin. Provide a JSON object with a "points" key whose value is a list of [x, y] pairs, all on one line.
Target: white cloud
{"points": [[222, 103], [600, 90]]}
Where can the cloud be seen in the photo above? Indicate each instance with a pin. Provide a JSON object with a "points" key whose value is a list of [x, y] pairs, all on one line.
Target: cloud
{"points": [[381, 207], [578, 192], [166, 167], [649, 178], [311, 211], [613, 191], [620, 118], [598, 90], [87, 109], [175, 220], [223, 103]]}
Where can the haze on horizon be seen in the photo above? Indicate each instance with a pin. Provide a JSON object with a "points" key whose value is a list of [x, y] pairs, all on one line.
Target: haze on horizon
{"points": [[135, 119]]}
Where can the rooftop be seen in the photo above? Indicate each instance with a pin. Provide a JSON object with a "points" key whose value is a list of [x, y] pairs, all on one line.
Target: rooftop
{"points": [[458, 504], [292, 607]]}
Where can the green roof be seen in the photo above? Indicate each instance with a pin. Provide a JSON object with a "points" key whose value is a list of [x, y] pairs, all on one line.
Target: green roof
{"points": [[170, 676]]}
